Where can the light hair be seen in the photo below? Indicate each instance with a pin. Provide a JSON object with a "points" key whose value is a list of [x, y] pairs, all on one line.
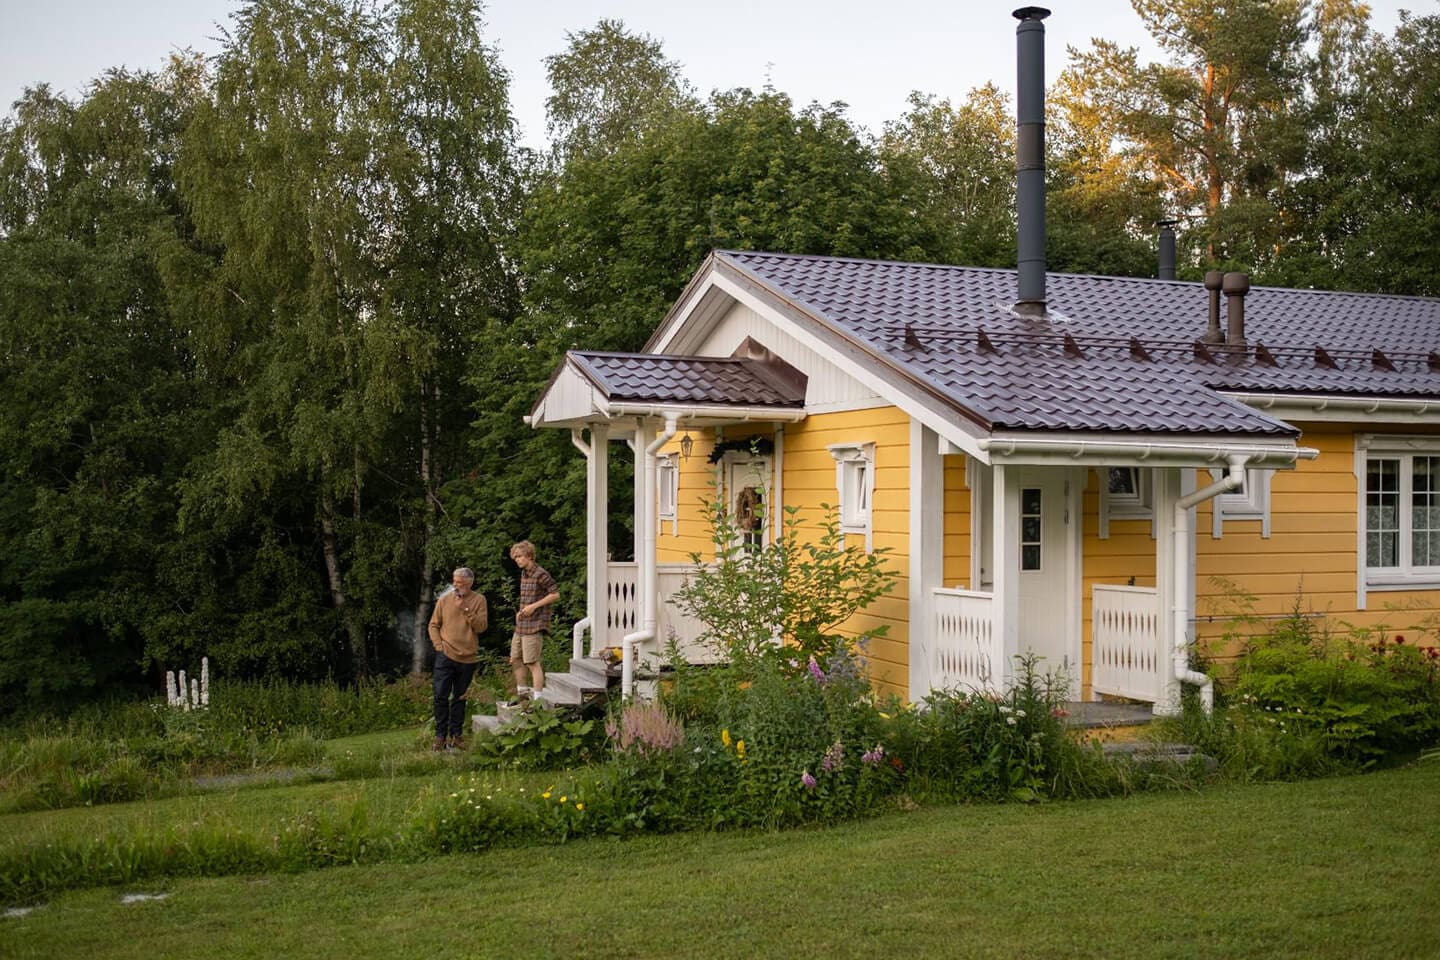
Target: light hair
{"points": [[524, 548], [465, 572]]}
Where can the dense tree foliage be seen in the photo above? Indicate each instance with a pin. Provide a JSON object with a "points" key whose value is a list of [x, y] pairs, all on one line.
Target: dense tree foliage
{"points": [[269, 325]]}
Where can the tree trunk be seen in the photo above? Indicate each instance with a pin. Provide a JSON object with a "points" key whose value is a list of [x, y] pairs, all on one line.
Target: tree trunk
{"points": [[354, 629], [420, 641]]}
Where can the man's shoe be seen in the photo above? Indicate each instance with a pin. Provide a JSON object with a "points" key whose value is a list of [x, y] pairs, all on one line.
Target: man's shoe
{"points": [[439, 745], [457, 743]]}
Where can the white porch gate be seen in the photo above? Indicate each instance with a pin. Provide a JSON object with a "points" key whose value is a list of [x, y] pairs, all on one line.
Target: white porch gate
{"points": [[1125, 627], [967, 651]]}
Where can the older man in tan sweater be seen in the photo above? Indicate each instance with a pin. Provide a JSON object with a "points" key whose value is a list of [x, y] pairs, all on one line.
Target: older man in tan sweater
{"points": [[460, 616]]}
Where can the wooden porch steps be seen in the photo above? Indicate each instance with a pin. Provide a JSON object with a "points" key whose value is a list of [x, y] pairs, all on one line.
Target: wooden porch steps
{"points": [[586, 680]]}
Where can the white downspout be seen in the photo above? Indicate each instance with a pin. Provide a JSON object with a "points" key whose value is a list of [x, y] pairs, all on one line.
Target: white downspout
{"points": [[649, 574], [1234, 479]]}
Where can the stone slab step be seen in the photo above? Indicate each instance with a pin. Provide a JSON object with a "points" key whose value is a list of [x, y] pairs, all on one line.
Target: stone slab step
{"points": [[486, 723], [590, 674], [562, 689]]}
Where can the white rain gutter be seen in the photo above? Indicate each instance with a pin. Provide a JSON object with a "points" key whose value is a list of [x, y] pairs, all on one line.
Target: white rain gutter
{"points": [[698, 411], [1234, 479], [649, 573], [1098, 451], [1295, 404]]}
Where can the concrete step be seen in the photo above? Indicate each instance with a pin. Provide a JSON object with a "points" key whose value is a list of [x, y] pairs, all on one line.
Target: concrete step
{"points": [[562, 689], [590, 674], [486, 723]]}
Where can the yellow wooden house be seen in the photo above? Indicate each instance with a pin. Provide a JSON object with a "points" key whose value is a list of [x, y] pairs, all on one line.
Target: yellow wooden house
{"points": [[1076, 482], [1059, 464]]}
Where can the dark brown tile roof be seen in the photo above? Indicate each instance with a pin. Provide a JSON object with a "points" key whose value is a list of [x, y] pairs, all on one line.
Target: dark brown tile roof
{"points": [[654, 378], [928, 321]]}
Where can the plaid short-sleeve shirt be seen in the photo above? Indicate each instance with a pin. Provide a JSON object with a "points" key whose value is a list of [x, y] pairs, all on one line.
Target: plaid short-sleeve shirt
{"points": [[535, 584]]}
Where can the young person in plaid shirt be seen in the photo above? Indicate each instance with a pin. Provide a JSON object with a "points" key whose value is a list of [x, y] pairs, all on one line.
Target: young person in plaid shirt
{"points": [[538, 591]]}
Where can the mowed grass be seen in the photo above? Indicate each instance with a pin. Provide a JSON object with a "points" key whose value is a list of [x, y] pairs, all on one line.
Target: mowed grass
{"points": [[1342, 868]]}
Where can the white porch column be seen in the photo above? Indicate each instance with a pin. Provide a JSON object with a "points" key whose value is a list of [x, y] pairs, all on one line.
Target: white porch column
{"points": [[1166, 490], [927, 550], [597, 539], [1005, 526], [644, 524]]}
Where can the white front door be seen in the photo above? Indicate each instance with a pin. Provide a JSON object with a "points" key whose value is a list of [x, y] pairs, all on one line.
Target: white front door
{"points": [[747, 497], [1045, 570]]}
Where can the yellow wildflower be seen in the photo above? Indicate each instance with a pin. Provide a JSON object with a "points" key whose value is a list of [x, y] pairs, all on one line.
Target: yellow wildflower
{"points": [[545, 795], [725, 738], [579, 806], [563, 799], [740, 749], [743, 685]]}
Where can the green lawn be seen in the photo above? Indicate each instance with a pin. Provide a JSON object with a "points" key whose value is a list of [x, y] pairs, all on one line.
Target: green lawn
{"points": [[1342, 868]]}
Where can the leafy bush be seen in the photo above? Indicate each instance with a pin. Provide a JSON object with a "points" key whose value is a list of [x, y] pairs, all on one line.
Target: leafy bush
{"points": [[542, 738], [980, 746], [1361, 703], [795, 590]]}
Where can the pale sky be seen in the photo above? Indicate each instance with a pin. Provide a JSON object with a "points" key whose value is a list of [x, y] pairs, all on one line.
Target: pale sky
{"points": [[869, 55]]}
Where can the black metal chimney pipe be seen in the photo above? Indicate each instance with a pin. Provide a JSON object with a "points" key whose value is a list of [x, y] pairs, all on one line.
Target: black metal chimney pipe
{"points": [[1030, 159], [1167, 248]]}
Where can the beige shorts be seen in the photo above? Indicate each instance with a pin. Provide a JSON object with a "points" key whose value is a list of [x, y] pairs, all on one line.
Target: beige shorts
{"points": [[525, 647]]}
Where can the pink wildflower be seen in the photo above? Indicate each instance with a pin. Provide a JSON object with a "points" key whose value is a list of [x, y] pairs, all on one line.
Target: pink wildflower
{"points": [[817, 673], [807, 781]]}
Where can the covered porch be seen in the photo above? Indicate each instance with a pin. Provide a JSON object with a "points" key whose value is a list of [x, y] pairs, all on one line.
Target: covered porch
{"points": [[1041, 578]]}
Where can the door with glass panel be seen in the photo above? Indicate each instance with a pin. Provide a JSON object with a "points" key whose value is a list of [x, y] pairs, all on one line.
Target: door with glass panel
{"points": [[1045, 568]]}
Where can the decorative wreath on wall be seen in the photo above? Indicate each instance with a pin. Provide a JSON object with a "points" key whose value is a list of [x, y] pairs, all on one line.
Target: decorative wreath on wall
{"points": [[759, 446]]}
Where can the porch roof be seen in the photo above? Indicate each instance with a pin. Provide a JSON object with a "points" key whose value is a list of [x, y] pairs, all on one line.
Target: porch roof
{"points": [[593, 385]]}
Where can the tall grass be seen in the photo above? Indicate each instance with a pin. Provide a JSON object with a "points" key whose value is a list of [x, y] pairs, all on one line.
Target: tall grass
{"points": [[129, 751]]}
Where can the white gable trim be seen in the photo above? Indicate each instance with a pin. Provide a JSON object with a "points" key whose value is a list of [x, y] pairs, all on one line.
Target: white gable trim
{"points": [[852, 359]]}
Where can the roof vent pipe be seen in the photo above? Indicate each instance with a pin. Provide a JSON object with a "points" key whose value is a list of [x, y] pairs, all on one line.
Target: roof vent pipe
{"points": [[1030, 159], [1213, 281], [1167, 248], [1235, 285]]}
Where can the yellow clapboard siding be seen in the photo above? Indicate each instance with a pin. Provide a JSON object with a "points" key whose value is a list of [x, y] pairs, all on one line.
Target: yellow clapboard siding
{"points": [[1270, 562], [1237, 542]]}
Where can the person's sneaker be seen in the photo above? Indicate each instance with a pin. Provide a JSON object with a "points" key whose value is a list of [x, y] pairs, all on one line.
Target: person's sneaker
{"points": [[522, 693], [439, 745], [457, 743], [537, 695]]}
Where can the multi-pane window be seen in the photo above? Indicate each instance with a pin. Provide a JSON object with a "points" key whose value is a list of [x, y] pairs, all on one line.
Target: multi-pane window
{"points": [[1124, 495], [1031, 523], [1402, 514], [855, 484]]}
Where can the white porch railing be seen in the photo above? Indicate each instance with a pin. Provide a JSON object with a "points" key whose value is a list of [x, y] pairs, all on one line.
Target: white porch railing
{"points": [[1125, 623], [622, 611], [967, 652]]}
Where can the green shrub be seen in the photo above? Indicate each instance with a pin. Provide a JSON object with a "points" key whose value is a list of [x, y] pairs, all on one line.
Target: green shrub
{"points": [[980, 746], [798, 590], [542, 738], [1361, 703]]}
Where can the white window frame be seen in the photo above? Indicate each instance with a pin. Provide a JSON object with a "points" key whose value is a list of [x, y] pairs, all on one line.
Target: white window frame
{"points": [[1136, 506], [1251, 503], [667, 490], [855, 484], [1405, 576]]}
